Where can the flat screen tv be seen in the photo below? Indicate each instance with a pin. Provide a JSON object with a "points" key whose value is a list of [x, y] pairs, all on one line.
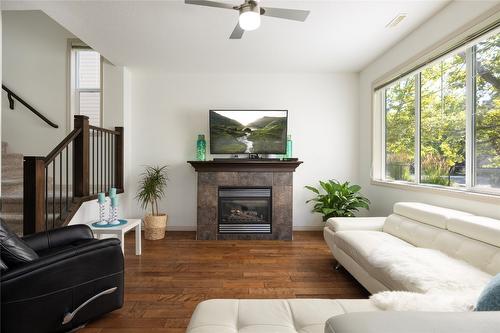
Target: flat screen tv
{"points": [[248, 131]]}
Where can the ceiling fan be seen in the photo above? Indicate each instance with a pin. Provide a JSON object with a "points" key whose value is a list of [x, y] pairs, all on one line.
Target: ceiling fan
{"points": [[250, 12]]}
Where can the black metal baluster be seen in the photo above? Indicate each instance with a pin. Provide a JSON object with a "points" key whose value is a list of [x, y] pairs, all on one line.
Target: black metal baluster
{"points": [[97, 162], [101, 161], [93, 157], [67, 183], [113, 160], [109, 160], [105, 160], [53, 192], [60, 186], [46, 197], [72, 168]]}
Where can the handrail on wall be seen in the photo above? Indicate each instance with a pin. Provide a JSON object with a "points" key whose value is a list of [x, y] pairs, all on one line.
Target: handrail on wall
{"points": [[11, 96]]}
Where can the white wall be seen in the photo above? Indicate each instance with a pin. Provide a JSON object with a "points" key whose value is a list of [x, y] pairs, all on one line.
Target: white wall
{"points": [[169, 110], [112, 95], [35, 61], [450, 19], [35, 51]]}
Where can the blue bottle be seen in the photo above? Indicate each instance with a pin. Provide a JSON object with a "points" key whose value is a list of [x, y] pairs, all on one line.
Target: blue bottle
{"points": [[289, 146], [201, 148]]}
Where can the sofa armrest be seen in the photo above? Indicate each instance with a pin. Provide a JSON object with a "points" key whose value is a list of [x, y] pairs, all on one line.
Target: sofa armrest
{"points": [[355, 223], [86, 262], [58, 237], [414, 322]]}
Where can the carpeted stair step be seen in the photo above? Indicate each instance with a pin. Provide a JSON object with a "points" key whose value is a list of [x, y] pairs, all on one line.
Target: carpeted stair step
{"points": [[12, 160], [14, 221], [12, 186], [12, 171]]}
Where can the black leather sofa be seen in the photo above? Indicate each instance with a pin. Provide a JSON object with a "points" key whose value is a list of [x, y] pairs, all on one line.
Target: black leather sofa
{"points": [[75, 278]]}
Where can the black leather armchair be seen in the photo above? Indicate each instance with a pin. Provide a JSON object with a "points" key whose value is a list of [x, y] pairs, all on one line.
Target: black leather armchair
{"points": [[75, 279]]}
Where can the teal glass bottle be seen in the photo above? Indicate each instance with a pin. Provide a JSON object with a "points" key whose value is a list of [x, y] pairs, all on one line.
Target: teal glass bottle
{"points": [[289, 146], [201, 148]]}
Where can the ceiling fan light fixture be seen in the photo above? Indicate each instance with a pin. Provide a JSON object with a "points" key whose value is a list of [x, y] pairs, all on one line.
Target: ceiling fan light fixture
{"points": [[249, 18]]}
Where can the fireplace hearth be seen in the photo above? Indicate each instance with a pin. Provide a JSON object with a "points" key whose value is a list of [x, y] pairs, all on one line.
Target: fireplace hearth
{"points": [[245, 210]]}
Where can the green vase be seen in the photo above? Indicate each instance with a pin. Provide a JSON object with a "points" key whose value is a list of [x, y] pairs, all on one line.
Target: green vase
{"points": [[289, 146], [201, 148]]}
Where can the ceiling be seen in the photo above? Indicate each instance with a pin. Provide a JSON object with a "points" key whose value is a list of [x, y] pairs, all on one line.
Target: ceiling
{"points": [[169, 35]]}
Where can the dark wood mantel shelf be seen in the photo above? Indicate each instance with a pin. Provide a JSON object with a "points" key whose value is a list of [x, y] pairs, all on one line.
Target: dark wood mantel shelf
{"points": [[245, 165]]}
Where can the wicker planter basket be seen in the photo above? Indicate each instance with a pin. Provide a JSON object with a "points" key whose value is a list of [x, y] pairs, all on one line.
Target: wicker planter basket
{"points": [[154, 226]]}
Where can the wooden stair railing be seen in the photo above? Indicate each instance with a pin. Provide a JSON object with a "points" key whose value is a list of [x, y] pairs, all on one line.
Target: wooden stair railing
{"points": [[11, 96], [89, 160]]}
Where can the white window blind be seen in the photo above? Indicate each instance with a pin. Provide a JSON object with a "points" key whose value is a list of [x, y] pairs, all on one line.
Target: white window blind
{"points": [[88, 85]]}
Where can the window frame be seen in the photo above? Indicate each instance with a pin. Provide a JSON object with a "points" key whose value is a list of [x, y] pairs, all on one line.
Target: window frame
{"points": [[378, 172], [74, 81]]}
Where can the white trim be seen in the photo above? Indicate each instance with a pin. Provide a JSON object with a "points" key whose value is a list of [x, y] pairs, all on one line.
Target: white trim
{"points": [[308, 227], [417, 176], [469, 118], [181, 228], [462, 193], [383, 156], [295, 228]]}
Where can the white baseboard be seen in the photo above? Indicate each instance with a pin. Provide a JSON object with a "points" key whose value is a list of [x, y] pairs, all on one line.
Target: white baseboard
{"points": [[181, 228], [295, 228], [308, 228]]}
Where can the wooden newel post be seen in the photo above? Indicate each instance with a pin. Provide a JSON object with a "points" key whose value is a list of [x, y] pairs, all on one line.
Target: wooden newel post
{"points": [[33, 195], [81, 157], [119, 165]]}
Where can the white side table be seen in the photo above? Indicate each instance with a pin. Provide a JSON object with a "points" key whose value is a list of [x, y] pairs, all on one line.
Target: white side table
{"points": [[120, 231]]}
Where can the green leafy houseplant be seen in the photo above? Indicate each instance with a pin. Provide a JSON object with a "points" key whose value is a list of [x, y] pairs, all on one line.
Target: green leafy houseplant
{"points": [[335, 199], [152, 188]]}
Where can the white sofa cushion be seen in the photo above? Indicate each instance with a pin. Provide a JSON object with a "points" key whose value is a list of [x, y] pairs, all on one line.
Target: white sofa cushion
{"points": [[415, 322], [479, 254], [411, 231], [360, 244], [359, 223], [477, 227], [433, 215], [264, 316]]}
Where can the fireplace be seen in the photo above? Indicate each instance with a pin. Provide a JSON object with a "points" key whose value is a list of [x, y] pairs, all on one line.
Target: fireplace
{"points": [[245, 210], [246, 187]]}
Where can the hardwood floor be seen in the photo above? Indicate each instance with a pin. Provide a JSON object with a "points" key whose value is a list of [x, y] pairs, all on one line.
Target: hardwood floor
{"points": [[163, 286]]}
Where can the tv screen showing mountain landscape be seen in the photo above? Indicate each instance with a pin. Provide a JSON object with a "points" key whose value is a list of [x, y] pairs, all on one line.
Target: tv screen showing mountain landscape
{"points": [[248, 132]]}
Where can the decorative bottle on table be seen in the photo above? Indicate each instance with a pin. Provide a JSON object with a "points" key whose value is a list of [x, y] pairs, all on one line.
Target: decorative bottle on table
{"points": [[101, 200], [113, 208], [201, 148], [289, 146]]}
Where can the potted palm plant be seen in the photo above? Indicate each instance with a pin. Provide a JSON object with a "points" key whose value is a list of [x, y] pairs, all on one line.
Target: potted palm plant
{"points": [[152, 187]]}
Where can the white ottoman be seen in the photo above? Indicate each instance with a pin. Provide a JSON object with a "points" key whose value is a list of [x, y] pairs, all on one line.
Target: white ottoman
{"points": [[271, 316]]}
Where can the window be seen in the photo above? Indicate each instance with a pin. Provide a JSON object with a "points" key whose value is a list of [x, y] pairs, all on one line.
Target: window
{"points": [[87, 84], [487, 113], [441, 122], [400, 130]]}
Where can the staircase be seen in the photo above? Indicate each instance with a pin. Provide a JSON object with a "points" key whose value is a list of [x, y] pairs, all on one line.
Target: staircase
{"points": [[12, 189]]}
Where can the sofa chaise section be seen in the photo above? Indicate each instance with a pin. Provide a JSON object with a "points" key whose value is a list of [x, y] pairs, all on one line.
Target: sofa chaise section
{"points": [[273, 315]]}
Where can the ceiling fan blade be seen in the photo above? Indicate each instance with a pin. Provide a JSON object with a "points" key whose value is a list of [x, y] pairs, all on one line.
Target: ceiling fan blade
{"points": [[237, 32], [288, 14], [209, 3]]}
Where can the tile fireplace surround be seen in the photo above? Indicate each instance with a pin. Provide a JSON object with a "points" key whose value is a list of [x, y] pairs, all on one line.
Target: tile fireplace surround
{"points": [[214, 175]]}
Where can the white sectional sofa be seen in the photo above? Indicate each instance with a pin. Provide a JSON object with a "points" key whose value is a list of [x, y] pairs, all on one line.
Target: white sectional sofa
{"points": [[473, 239], [460, 235]]}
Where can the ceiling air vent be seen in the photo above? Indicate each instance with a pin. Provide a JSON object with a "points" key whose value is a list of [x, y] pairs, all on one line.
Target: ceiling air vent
{"points": [[395, 21]]}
